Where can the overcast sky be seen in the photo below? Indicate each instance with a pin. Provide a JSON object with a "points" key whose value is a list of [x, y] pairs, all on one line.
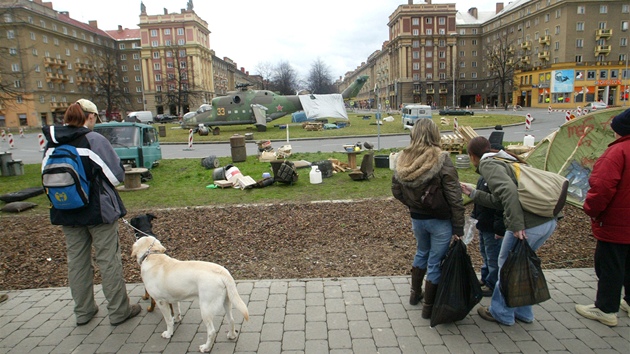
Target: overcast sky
{"points": [[342, 33]]}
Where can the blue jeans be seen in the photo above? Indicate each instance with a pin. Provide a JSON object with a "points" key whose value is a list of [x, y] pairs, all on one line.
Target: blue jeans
{"points": [[536, 236], [432, 237], [489, 248]]}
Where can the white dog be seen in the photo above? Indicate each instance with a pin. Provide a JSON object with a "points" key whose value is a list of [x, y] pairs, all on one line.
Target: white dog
{"points": [[169, 281]]}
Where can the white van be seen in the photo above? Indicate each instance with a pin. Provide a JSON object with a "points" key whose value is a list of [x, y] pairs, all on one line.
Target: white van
{"points": [[413, 112], [145, 117]]}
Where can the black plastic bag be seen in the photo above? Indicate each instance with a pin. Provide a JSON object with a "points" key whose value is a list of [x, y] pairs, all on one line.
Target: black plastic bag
{"points": [[458, 290], [522, 280]]}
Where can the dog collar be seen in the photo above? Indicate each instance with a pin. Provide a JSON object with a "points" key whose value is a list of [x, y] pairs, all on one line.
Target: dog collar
{"points": [[147, 253]]}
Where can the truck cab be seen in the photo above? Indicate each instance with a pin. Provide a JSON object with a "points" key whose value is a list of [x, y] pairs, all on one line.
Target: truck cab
{"points": [[135, 143], [411, 113]]}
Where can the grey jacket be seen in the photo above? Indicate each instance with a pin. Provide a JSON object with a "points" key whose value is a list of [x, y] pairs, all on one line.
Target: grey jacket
{"points": [[412, 190]]}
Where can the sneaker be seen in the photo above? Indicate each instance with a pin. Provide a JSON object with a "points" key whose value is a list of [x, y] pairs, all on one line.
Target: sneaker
{"points": [[486, 291], [593, 313], [4, 297], [625, 307], [135, 310], [485, 314]]}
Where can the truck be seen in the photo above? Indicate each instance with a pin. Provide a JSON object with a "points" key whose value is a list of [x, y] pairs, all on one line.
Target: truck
{"points": [[145, 117], [413, 112], [136, 144]]}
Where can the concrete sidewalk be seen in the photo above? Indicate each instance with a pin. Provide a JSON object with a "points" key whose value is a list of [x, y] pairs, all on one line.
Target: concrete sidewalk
{"points": [[345, 315]]}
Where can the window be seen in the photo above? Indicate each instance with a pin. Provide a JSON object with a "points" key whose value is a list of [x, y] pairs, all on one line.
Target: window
{"points": [[56, 41], [415, 44], [123, 68], [442, 20], [154, 43], [429, 65], [170, 64], [15, 67], [32, 35], [428, 31], [429, 20], [546, 17], [474, 53], [138, 78], [462, 75], [153, 33], [473, 64], [415, 21], [125, 79], [156, 66], [442, 65], [158, 77], [180, 31], [37, 69], [623, 42], [442, 31], [624, 26], [429, 43], [625, 8], [74, 33], [441, 54], [579, 26], [169, 54], [415, 32], [167, 31], [126, 89], [462, 64], [76, 46], [416, 66], [10, 34], [138, 89], [181, 41], [581, 10], [121, 46], [415, 54], [182, 53], [136, 67], [17, 83], [156, 55], [123, 57], [167, 42], [557, 44], [429, 54], [136, 56], [473, 75], [42, 23], [429, 76], [557, 30], [603, 9], [442, 76]]}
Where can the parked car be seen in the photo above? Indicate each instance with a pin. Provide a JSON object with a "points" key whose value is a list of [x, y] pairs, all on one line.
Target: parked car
{"points": [[145, 117], [456, 112], [165, 118], [593, 106]]}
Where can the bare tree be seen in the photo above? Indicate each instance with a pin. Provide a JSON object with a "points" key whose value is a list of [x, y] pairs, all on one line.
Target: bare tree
{"points": [[501, 60], [265, 71], [285, 79], [14, 66], [181, 91], [111, 90], [319, 78]]}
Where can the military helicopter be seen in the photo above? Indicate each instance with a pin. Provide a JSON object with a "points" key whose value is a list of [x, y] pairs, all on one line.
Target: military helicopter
{"points": [[259, 107]]}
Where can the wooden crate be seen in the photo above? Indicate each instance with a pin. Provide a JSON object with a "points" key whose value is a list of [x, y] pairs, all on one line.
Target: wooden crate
{"points": [[312, 126]]}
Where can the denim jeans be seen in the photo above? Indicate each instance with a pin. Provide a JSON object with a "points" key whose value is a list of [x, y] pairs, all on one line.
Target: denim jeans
{"points": [[433, 237], [490, 255], [536, 236]]}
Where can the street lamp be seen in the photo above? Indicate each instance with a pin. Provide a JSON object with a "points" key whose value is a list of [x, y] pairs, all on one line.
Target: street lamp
{"points": [[454, 49]]}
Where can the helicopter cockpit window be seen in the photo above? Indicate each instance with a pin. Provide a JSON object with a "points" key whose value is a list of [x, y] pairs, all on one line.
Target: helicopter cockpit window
{"points": [[204, 108], [237, 99]]}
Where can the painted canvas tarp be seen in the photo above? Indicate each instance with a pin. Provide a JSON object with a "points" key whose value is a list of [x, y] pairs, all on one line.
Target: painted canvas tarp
{"points": [[572, 150]]}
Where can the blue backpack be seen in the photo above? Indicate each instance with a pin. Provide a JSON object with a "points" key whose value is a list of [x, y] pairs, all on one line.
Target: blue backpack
{"points": [[64, 179]]}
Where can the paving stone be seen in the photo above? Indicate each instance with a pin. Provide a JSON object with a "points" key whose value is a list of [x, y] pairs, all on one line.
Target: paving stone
{"points": [[339, 339], [546, 340], [315, 313], [335, 305], [356, 313], [408, 345], [294, 322], [296, 293], [277, 300], [332, 292], [395, 311], [384, 337], [316, 330], [576, 346], [364, 345], [360, 329], [279, 287], [270, 347], [349, 285], [316, 347], [457, 344], [297, 306], [293, 340], [368, 290], [337, 321], [352, 298]]}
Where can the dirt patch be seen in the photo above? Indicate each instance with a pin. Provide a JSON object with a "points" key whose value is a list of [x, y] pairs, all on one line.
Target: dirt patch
{"points": [[279, 241]]}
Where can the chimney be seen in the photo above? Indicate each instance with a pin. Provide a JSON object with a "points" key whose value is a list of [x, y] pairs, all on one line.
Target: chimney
{"points": [[499, 7], [165, 11], [473, 12], [48, 5], [428, 2], [119, 28], [410, 2], [65, 13], [93, 24], [38, 1], [242, 69]]}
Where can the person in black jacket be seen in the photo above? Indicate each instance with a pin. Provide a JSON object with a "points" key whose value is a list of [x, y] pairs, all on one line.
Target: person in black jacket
{"points": [[491, 230], [95, 225]]}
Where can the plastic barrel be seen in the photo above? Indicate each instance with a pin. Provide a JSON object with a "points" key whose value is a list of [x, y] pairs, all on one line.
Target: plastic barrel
{"points": [[239, 154], [218, 174], [237, 140], [462, 161]]}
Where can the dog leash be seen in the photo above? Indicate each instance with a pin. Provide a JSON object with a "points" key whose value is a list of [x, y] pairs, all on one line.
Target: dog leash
{"points": [[136, 229]]}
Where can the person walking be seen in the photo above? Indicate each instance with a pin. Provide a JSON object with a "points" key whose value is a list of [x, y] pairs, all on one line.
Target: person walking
{"points": [[519, 223], [95, 225], [426, 181], [607, 203]]}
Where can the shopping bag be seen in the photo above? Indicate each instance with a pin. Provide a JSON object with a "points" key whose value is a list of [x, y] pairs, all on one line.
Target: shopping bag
{"points": [[522, 281], [458, 290]]}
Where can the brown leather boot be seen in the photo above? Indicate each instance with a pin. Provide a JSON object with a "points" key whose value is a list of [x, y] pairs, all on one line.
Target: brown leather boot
{"points": [[430, 290], [417, 275]]}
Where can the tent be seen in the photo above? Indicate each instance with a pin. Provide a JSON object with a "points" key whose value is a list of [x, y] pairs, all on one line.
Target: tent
{"points": [[572, 150]]}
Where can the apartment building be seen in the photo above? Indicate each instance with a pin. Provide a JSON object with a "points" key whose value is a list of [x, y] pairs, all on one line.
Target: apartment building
{"points": [[538, 53]]}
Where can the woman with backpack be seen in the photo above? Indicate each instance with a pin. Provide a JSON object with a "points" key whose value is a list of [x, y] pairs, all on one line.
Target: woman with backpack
{"points": [[94, 224], [426, 181], [519, 224]]}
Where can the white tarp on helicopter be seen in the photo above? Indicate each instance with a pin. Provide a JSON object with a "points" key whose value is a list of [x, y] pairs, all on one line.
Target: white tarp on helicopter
{"points": [[324, 106]]}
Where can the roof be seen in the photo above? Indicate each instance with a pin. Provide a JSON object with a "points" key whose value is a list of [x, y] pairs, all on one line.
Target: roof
{"points": [[124, 34], [69, 20]]}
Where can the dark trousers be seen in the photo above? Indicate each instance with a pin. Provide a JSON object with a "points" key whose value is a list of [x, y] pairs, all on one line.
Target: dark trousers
{"points": [[612, 267]]}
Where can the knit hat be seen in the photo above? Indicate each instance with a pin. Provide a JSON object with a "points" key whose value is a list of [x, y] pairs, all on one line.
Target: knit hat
{"points": [[621, 123], [88, 106]]}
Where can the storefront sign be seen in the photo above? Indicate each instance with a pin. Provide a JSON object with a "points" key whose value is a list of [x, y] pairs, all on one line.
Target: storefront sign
{"points": [[608, 82]]}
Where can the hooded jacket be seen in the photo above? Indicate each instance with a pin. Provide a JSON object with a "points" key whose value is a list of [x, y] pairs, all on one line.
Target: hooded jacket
{"points": [[504, 193], [608, 200], [103, 169], [408, 186]]}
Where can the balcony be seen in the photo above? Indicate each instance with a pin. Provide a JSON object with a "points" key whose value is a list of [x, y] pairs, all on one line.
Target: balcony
{"points": [[525, 59], [509, 62], [416, 92], [544, 40], [443, 90], [59, 105], [83, 67], [510, 49], [526, 45], [602, 49], [603, 33], [430, 91], [543, 55], [52, 62]]}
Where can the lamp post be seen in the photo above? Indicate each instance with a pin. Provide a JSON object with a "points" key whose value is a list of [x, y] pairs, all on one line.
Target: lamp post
{"points": [[454, 50]]}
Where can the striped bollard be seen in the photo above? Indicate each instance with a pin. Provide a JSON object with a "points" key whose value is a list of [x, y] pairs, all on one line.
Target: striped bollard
{"points": [[528, 121], [190, 140], [567, 116], [455, 124], [11, 142], [42, 142], [22, 133], [4, 135], [579, 111], [486, 108], [549, 110]]}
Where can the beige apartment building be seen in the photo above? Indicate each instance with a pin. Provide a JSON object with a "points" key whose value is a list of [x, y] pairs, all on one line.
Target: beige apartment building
{"points": [[49, 60], [532, 53]]}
